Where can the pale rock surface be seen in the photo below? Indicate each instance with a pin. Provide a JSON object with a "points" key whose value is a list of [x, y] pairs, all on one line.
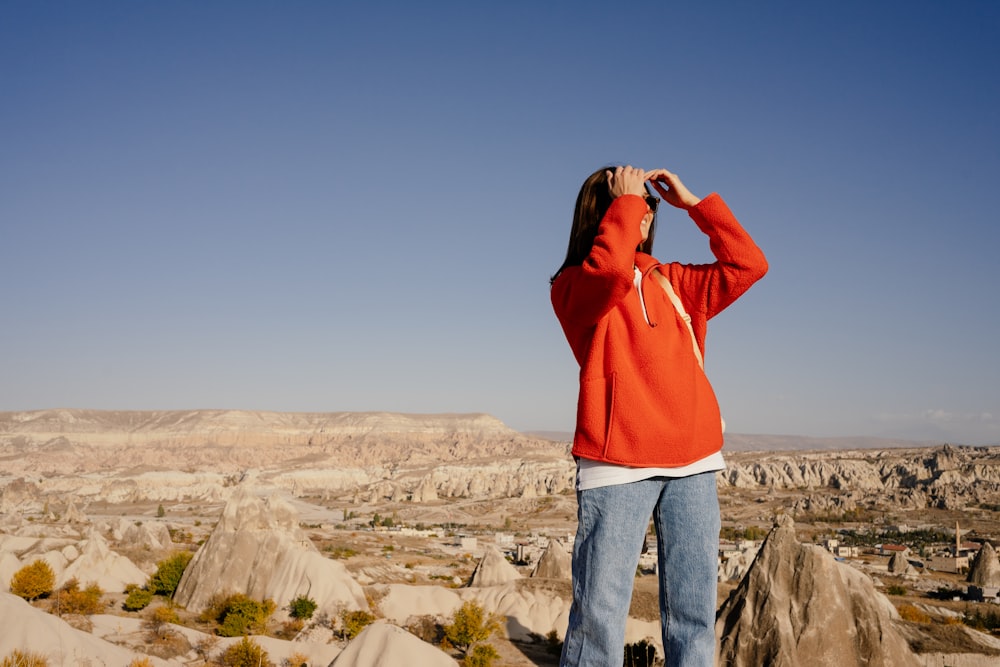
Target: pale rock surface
{"points": [[74, 515], [900, 565], [9, 564], [798, 606], [555, 562], [152, 535], [258, 549], [28, 629], [985, 569], [399, 602], [97, 563], [526, 612], [493, 569], [384, 645], [131, 633]]}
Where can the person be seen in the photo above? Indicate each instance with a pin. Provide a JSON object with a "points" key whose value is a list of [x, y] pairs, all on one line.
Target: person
{"points": [[648, 435]]}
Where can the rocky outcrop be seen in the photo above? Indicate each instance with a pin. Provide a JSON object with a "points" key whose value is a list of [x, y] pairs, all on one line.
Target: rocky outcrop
{"points": [[798, 606], [258, 549], [493, 570], [900, 566], [985, 568], [385, 645], [91, 439], [555, 562], [97, 563], [28, 629]]}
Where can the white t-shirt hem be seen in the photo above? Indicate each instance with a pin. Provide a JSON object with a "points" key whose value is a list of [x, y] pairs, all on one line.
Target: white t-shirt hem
{"points": [[592, 474]]}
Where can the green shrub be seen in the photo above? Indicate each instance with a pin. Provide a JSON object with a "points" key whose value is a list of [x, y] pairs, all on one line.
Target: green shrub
{"points": [[482, 655], [470, 625], [245, 653], [353, 622], [896, 590], [168, 573], [71, 600], [138, 598], [302, 607], [33, 581], [239, 614]]}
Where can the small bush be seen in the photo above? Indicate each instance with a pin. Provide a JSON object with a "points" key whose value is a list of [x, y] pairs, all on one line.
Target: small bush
{"points": [[482, 655], [296, 660], [168, 573], [910, 613], [302, 607], [21, 659], [245, 653], [141, 662], [341, 553], [138, 598], [895, 589], [71, 600], [986, 620], [242, 615], [353, 622], [161, 616], [33, 581], [470, 625], [290, 629]]}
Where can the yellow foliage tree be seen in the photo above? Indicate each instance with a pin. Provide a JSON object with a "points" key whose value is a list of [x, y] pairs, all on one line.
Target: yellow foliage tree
{"points": [[33, 581]]}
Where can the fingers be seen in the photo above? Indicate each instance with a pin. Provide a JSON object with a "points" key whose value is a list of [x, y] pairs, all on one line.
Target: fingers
{"points": [[626, 180]]}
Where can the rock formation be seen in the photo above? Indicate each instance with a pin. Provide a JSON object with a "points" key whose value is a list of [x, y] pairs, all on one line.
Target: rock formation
{"points": [[28, 629], [97, 563], [555, 562], [798, 606], [258, 549], [385, 645], [493, 569], [149, 535], [985, 569], [900, 565]]}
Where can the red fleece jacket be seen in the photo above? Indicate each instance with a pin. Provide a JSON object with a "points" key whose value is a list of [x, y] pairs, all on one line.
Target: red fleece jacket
{"points": [[644, 399]]}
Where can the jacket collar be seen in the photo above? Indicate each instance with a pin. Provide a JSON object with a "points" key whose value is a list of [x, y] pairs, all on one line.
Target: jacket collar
{"points": [[645, 262]]}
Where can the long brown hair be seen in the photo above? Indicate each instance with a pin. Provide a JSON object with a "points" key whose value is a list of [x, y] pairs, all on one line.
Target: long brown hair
{"points": [[592, 203]]}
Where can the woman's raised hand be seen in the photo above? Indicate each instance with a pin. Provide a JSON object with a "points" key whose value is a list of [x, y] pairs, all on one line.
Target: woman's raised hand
{"points": [[627, 180], [671, 189]]}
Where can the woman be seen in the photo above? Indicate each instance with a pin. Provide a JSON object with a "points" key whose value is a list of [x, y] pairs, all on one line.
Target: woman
{"points": [[648, 434]]}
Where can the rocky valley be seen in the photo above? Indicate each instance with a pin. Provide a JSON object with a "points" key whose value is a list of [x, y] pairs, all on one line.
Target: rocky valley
{"points": [[408, 517]]}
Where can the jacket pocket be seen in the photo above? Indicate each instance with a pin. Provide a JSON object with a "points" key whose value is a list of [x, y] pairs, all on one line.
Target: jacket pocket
{"points": [[593, 414]]}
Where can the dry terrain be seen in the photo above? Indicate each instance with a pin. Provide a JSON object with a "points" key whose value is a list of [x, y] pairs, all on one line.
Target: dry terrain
{"points": [[410, 504]]}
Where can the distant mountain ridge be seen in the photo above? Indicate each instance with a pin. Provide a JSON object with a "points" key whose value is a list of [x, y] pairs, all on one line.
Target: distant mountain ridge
{"points": [[750, 442]]}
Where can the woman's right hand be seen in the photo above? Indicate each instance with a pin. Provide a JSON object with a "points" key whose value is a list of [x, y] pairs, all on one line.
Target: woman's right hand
{"points": [[626, 180]]}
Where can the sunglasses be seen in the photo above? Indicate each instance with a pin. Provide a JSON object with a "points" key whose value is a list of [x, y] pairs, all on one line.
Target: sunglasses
{"points": [[652, 202]]}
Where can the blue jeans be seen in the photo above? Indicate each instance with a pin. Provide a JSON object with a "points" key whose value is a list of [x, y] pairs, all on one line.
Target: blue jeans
{"points": [[612, 528]]}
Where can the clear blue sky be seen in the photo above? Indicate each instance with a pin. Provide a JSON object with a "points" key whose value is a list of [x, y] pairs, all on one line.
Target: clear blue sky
{"points": [[332, 206]]}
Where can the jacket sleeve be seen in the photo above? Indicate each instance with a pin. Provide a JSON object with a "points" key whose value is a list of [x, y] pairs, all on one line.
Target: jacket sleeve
{"points": [[582, 295], [708, 289]]}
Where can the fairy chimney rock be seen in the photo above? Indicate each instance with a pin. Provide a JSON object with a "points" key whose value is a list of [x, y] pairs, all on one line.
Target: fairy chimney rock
{"points": [[493, 570], [258, 549], [899, 564], [555, 563], [985, 569], [798, 606]]}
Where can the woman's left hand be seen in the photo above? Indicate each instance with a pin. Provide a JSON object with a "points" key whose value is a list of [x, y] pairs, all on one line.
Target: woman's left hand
{"points": [[671, 189]]}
